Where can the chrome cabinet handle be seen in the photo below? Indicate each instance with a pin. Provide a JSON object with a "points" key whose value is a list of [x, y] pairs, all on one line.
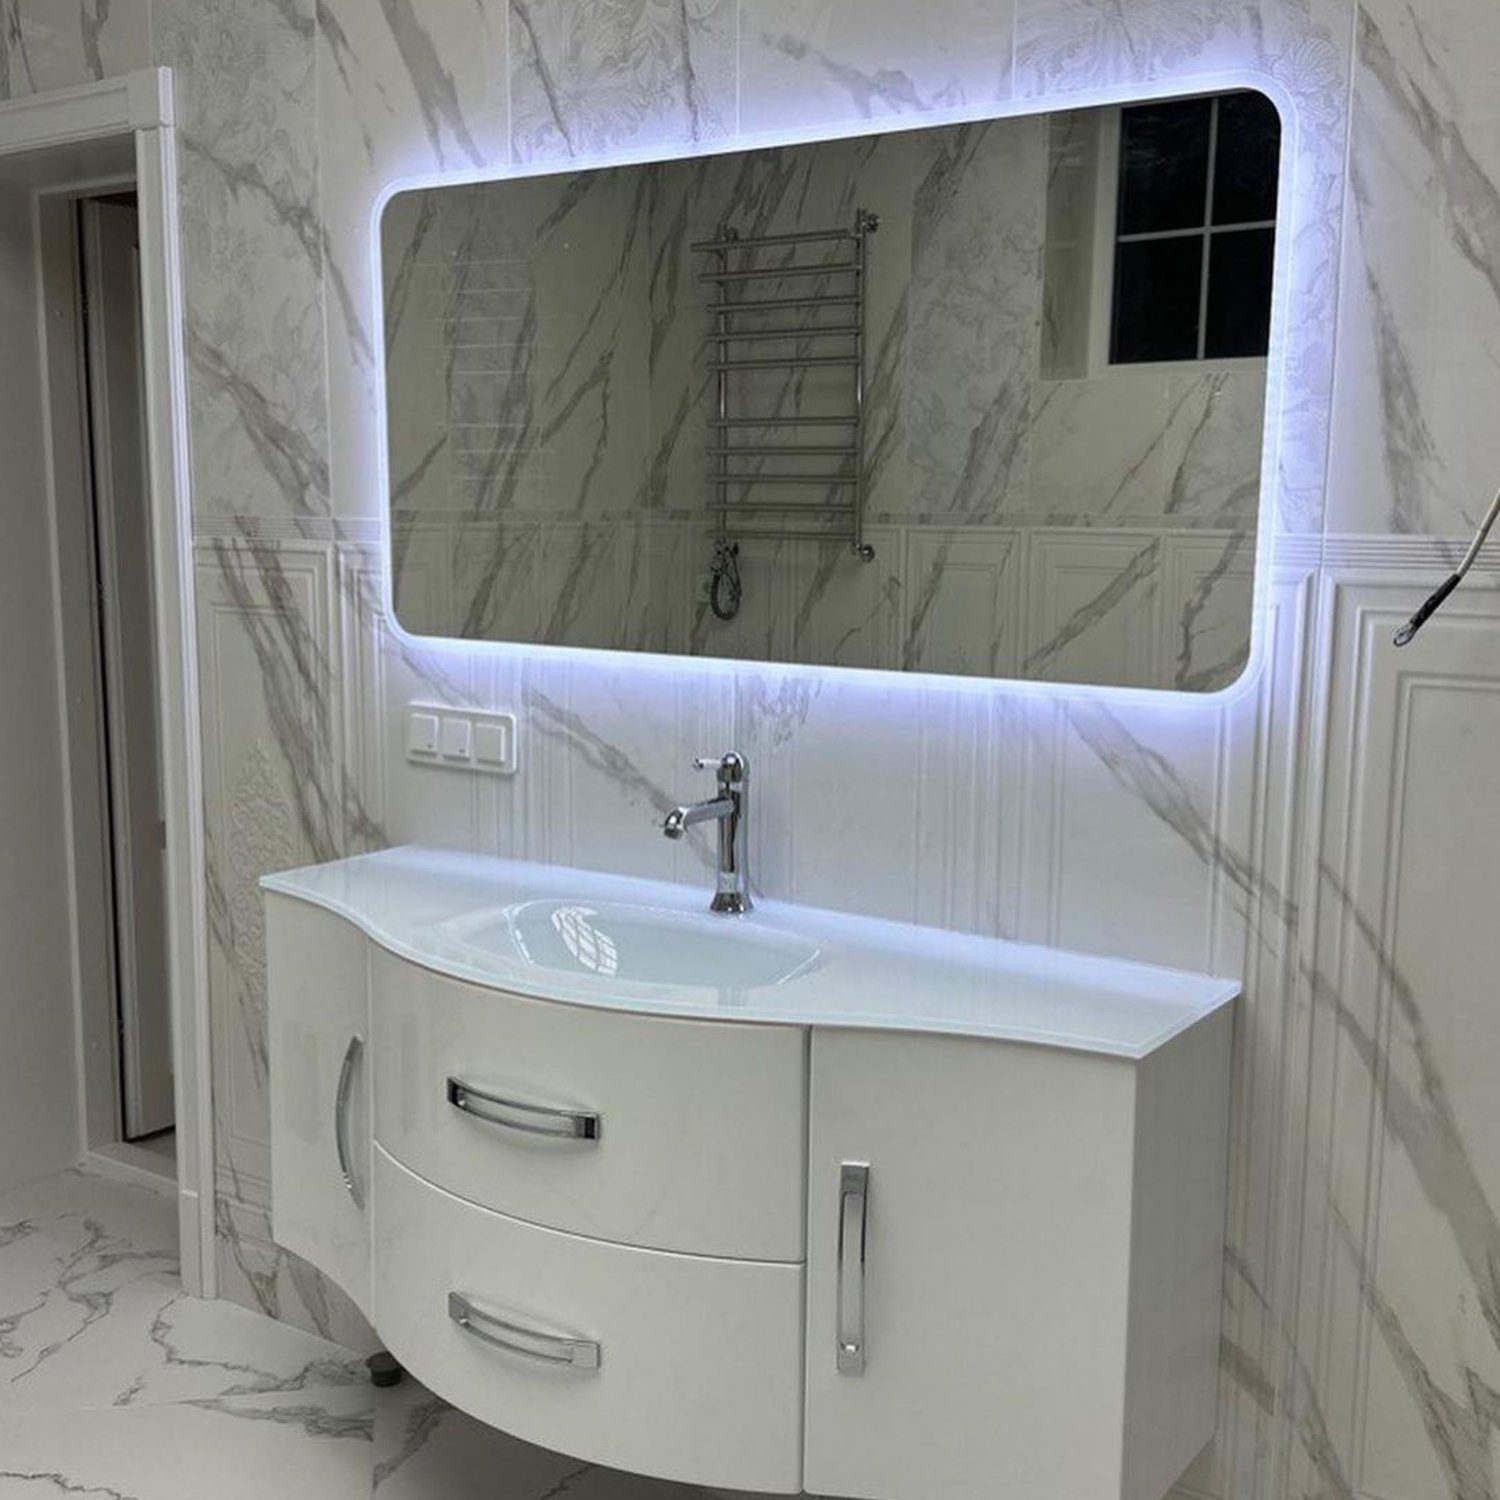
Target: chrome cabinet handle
{"points": [[513, 1114], [854, 1202], [341, 1119], [552, 1348]]}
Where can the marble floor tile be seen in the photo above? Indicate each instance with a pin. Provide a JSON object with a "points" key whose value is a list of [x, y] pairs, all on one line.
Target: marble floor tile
{"points": [[92, 1313], [234, 1448], [115, 1384]]}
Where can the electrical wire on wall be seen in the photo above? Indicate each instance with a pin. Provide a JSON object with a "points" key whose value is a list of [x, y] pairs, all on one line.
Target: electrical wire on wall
{"points": [[1435, 600]]}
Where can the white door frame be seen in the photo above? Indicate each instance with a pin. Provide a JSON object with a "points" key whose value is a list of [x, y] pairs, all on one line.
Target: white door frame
{"points": [[139, 106]]}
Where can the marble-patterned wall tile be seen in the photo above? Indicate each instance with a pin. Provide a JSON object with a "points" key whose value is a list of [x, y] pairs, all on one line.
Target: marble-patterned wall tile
{"points": [[277, 794], [963, 594], [974, 317], [1402, 1197], [612, 753], [255, 1272], [1208, 597], [661, 73], [1414, 446], [1097, 450], [403, 88], [1093, 606], [1302, 47], [252, 252], [811, 62], [1215, 447], [1068, 44], [266, 727], [44, 45]]}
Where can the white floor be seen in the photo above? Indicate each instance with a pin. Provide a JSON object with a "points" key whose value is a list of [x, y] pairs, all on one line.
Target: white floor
{"points": [[114, 1384]]}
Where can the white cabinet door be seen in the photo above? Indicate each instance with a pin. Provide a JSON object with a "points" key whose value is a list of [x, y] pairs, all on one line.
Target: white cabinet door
{"points": [[317, 985], [990, 1303]]}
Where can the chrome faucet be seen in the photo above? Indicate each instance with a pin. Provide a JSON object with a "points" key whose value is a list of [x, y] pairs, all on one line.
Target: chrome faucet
{"points": [[728, 809]]}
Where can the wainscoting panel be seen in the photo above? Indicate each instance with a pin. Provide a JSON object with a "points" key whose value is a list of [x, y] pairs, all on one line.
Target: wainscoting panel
{"points": [[1401, 1262]]}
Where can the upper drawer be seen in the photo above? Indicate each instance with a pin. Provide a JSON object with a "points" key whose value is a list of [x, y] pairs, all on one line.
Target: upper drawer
{"points": [[673, 1135]]}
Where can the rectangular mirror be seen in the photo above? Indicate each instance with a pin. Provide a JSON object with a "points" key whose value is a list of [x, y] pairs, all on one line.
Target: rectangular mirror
{"points": [[984, 399]]}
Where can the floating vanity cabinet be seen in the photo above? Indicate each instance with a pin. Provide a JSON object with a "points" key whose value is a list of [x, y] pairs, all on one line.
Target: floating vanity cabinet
{"points": [[316, 977], [1013, 1265], [847, 1207]]}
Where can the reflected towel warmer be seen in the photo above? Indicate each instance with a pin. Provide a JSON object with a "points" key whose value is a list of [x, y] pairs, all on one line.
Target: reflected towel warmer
{"points": [[815, 311]]}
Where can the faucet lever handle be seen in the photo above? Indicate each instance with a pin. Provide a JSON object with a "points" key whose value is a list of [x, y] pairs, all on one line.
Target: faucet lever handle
{"points": [[731, 767]]}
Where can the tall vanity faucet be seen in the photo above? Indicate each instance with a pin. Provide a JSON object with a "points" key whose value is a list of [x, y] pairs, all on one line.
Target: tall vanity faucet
{"points": [[729, 809]]}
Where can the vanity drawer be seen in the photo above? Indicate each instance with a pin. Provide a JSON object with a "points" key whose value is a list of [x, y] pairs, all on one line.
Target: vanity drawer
{"points": [[688, 1136], [683, 1367]]}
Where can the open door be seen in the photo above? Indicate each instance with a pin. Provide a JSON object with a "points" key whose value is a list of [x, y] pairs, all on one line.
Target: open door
{"points": [[116, 415]]}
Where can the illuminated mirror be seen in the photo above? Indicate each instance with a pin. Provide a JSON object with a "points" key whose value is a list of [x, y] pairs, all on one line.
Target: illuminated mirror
{"points": [[982, 399]]}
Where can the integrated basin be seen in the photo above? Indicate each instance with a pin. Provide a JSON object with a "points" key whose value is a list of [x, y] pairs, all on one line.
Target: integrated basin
{"points": [[636, 944]]}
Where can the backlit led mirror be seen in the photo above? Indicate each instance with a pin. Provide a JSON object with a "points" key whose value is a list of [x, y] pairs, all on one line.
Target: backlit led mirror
{"points": [[985, 399]]}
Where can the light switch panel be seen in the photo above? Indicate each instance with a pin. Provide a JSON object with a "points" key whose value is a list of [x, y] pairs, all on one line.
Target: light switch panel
{"points": [[422, 734], [458, 739], [461, 740], [495, 742]]}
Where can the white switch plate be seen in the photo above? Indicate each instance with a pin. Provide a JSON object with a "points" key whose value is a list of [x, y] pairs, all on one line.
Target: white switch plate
{"points": [[458, 738], [495, 743], [461, 739], [421, 735]]}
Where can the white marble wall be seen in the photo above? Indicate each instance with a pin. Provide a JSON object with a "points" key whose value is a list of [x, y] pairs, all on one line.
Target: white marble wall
{"points": [[1327, 835]]}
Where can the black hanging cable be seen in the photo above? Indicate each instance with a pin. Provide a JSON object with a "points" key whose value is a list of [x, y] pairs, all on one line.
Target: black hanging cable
{"points": [[1436, 598]]}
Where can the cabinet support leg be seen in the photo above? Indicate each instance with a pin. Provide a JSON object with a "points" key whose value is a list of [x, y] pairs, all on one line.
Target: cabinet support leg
{"points": [[384, 1369]]}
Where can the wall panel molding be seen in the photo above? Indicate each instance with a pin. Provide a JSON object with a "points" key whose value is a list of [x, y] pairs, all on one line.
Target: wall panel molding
{"points": [[1400, 1329]]}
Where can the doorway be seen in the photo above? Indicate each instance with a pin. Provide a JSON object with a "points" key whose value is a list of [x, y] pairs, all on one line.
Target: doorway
{"points": [[109, 243], [104, 877], [91, 273]]}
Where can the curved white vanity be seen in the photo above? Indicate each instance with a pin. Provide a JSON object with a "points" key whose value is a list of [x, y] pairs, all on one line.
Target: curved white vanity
{"points": [[782, 1201]]}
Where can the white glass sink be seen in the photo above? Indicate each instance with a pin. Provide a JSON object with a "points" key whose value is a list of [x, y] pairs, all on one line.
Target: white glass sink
{"points": [[615, 941], [637, 944]]}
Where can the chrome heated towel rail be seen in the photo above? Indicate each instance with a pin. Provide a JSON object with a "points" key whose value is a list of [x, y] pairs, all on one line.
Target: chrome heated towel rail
{"points": [[779, 322]]}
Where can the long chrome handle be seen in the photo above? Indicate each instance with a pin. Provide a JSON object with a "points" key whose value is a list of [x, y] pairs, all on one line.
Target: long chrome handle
{"points": [[515, 1114], [341, 1119], [854, 1205], [553, 1348]]}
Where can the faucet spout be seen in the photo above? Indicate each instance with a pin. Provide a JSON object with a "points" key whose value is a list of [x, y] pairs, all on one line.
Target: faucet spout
{"points": [[732, 896], [680, 819]]}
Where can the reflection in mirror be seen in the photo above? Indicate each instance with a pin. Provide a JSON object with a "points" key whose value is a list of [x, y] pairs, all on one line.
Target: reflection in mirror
{"points": [[983, 399]]}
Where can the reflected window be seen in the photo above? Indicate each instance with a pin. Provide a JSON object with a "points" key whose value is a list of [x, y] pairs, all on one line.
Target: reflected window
{"points": [[593, 948], [1194, 229]]}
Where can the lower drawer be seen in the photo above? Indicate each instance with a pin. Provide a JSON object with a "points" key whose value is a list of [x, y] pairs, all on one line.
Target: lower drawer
{"points": [[679, 1366]]}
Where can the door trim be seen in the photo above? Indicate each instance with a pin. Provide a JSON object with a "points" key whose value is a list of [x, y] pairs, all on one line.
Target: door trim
{"points": [[50, 129]]}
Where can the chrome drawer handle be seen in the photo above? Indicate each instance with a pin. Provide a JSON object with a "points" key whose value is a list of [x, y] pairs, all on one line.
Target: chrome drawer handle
{"points": [[341, 1119], [513, 1114], [854, 1204], [554, 1349]]}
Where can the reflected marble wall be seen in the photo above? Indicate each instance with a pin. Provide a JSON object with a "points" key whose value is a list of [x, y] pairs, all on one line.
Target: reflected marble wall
{"points": [[549, 422], [1359, 1351]]}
